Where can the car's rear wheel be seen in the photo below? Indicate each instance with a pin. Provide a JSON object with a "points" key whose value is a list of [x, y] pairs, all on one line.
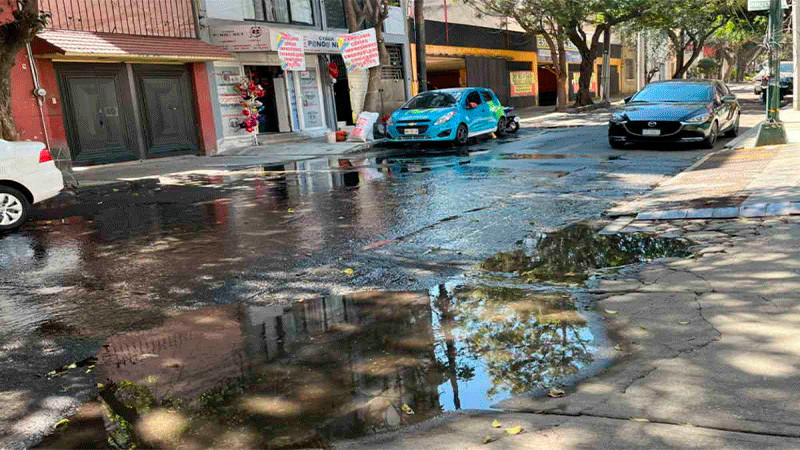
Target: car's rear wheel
{"points": [[709, 141], [734, 130], [14, 207], [501, 126], [462, 135]]}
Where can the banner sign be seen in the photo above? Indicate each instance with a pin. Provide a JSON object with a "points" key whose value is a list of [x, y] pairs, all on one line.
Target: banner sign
{"points": [[523, 83], [360, 50], [290, 51]]}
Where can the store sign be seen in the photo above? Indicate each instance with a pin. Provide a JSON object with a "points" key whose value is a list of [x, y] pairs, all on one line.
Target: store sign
{"points": [[321, 42], [291, 51], [523, 83], [360, 50], [763, 5], [241, 38], [573, 56]]}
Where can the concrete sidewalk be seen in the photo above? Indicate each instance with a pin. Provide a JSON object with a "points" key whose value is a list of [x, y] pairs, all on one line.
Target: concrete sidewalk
{"points": [[742, 182], [791, 122], [253, 157]]}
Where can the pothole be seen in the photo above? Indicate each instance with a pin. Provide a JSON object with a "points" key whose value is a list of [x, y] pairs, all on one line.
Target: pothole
{"points": [[570, 254]]}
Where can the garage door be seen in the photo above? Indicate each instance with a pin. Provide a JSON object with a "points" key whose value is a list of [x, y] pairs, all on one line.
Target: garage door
{"points": [[168, 117], [490, 73]]}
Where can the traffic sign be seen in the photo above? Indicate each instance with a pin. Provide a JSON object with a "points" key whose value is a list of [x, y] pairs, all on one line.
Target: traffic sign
{"points": [[763, 5]]}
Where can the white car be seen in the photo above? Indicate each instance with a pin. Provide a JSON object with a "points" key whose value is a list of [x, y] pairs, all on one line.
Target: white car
{"points": [[28, 175]]}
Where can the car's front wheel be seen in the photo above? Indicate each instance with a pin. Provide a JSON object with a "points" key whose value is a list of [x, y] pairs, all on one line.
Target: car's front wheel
{"points": [[501, 126], [711, 139], [14, 207], [462, 135]]}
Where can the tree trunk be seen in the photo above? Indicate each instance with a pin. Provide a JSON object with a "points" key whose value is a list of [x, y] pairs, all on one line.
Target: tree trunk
{"points": [[14, 35], [562, 76], [419, 26], [588, 56], [7, 127], [373, 99]]}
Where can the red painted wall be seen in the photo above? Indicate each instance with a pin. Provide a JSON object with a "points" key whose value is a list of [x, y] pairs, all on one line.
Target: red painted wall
{"points": [[206, 134], [25, 106]]}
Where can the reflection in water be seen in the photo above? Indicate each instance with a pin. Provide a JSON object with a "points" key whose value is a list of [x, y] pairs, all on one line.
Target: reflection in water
{"points": [[570, 253], [340, 367]]}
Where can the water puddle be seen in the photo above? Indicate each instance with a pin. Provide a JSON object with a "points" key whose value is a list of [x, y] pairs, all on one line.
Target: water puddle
{"points": [[572, 253], [306, 374]]}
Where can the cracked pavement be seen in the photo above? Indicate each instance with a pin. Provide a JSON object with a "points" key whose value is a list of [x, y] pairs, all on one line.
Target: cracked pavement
{"points": [[708, 354]]}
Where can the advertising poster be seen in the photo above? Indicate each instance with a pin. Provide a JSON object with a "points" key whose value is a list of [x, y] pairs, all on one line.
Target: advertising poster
{"points": [[359, 50], [523, 83], [291, 51]]}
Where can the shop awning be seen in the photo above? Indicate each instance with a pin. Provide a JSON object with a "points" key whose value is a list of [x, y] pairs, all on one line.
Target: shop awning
{"points": [[85, 45]]}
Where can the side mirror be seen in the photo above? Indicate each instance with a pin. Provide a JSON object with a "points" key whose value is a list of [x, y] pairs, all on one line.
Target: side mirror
{"points": [[628, 99], [729, 99]]}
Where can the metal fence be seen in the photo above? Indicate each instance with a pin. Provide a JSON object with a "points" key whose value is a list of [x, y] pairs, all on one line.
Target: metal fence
{"points": [[170, 18]]}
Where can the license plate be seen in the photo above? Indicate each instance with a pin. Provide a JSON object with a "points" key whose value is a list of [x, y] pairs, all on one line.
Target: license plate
{"points": [[411, 131], [649, 132]]}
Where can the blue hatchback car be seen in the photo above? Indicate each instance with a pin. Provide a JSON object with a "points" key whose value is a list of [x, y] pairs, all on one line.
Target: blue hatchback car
{"points": [[447, 115]]}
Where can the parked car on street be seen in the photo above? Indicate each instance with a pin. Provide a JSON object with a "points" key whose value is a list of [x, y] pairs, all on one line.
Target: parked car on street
{"points": [[676, 111], [786, 80], [447, 115], [758, 79], [28, 175]]}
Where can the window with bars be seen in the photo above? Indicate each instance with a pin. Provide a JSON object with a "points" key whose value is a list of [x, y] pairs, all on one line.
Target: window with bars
{"points": [[393, 71]]}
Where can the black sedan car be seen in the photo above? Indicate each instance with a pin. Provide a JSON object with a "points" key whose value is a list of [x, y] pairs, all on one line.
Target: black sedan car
{"points": [[676, 111]]}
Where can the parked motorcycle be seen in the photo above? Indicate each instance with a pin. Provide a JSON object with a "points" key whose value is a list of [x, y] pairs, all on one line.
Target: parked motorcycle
{"points": [[512, 121]]}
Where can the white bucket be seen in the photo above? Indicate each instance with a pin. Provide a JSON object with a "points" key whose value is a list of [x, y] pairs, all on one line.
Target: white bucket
{"points": [[331, 137]]}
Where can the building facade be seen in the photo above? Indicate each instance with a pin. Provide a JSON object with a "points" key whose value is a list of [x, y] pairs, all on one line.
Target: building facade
{"points": [[301, 102], [465, 48], [117, 80]]}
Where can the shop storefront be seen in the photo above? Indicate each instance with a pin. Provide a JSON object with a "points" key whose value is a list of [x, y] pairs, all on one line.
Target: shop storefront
{"points": [[294, 101]]}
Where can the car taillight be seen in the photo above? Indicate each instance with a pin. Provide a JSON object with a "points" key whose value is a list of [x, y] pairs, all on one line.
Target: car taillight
{"points": [[45, 156]]}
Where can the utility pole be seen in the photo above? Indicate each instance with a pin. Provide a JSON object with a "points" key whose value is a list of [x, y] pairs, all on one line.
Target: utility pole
{"points": [[796, 54], [607, 65], [419, 37], [771, 131], [641, 61]]}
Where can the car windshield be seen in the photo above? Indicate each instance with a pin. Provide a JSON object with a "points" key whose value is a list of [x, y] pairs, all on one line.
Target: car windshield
{"points": [[432, 100], [674, 92], [787, 67]]}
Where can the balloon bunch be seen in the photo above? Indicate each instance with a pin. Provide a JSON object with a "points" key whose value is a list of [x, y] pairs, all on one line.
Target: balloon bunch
{"points": [[250, 92]]}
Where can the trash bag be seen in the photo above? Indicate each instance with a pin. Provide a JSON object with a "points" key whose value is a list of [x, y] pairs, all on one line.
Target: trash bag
{"points": [[363, 130]]}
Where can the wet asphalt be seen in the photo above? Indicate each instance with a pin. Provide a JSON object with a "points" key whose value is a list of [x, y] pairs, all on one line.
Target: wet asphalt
{"points": [[103, 263]]}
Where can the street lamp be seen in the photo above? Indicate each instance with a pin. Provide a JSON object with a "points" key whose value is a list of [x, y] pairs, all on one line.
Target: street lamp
{"points": [[771, 131]]}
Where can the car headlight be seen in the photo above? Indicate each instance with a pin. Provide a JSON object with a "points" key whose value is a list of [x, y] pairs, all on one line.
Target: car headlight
{"points": [[618, 117], [700, 118], [445, 118]]}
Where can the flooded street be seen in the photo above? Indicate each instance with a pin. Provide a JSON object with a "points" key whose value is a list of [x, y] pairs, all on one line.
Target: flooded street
{"points": [[319, 300]]}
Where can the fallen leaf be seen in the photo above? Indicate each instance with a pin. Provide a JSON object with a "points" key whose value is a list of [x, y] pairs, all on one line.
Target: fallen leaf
{"points": [[349, 271], [496, 424], [618, 348], [291, 210], [61, 424], [611, 311], [683, 322], [487, 439], [556, 393], [514, 430], [407, 409], [638, 419]]}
